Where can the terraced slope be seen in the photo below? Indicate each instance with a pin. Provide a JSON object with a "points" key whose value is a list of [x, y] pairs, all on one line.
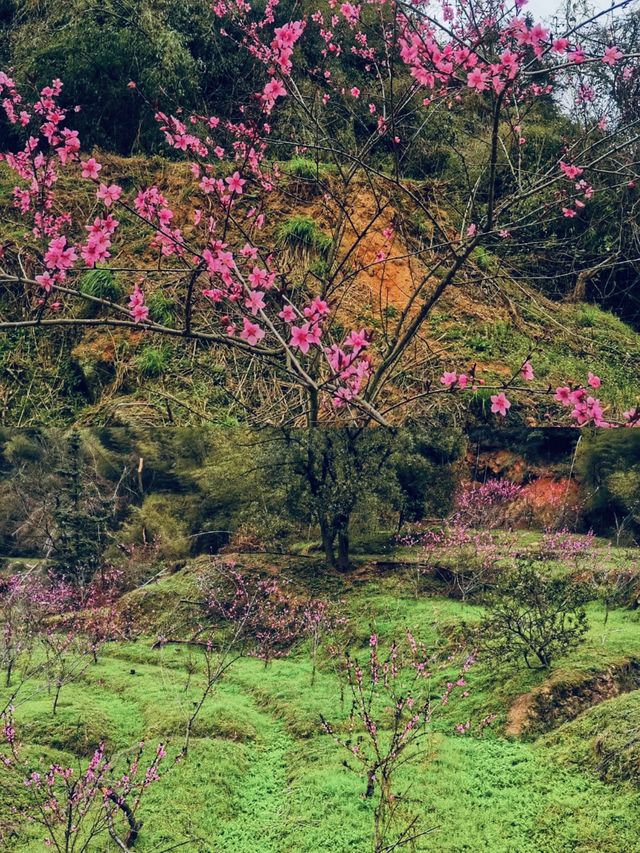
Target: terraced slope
{"points": [[261, 777]]}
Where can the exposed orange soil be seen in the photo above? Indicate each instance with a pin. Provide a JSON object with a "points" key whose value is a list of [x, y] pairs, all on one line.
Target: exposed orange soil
{"points": [[565, 695], [369, 294]]}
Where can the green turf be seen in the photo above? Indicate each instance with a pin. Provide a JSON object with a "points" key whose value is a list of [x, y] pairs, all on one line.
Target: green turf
{"points": [[261, 777]]}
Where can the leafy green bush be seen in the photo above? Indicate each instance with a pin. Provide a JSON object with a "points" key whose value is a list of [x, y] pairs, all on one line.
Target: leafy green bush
{"points": [[609, 465], [169, 49], [163, 521], [533, 618]]}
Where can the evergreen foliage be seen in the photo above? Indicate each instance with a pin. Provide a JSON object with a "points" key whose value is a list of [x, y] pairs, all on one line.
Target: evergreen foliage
{"points": [[79, 520]]}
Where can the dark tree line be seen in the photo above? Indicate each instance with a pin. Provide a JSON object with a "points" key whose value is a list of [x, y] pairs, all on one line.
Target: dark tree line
{"points": [[74, 498]]}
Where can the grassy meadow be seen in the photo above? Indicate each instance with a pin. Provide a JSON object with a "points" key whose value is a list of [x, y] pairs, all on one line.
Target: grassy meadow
{"points": [[262, 775]]}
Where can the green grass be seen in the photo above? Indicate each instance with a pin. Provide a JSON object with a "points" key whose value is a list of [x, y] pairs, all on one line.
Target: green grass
{"points": [[586, 339], [483, 259], [261, 775], [605, 739], [305, 168], [301, 233], [101, 283], [162, 309], [153, 360], [592, 317]]}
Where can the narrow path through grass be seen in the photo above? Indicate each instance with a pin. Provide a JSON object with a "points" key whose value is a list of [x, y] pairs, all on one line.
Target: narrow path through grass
{"points": [[261, 777], [260, 810]]}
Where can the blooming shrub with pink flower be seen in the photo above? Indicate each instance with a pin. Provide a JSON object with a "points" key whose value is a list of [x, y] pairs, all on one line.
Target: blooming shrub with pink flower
{"points": [[395, 695]]}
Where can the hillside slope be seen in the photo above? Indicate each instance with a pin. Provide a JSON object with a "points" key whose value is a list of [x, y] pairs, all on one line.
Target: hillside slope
{"points": [[490, 318], [265, 768]]}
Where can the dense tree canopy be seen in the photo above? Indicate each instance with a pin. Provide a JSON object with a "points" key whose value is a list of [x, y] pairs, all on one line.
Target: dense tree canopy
{"points": [[171, 49]]}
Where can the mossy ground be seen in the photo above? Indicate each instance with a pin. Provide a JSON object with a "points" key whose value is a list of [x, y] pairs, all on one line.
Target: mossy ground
{"points": [[262, 777]]}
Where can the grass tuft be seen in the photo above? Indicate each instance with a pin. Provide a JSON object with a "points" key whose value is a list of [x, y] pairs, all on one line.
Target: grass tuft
{"points": [[301, 233]]}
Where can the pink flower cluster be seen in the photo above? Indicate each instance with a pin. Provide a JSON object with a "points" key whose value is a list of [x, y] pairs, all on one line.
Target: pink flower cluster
{"points": [[564, 546], [38, 166], [139, 311], [489, 497], [438, 63], [267, 619], [96, 249], [152, 206], [233, 279], [79, 806], [585, 409]]}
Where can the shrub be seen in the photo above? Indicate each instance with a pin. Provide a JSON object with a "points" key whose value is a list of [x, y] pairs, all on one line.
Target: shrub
{"points": [[609, 466], [259, 611], [394, 696], [532, 617], [79, 806], [165, 521], [486, 505], [22, 447], [566, 548], [551, 503]]}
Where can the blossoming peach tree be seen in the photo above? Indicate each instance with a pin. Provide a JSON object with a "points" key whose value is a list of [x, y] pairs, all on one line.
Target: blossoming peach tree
{"points": [[389, 71], [242, 615], [77, 807], [395, 696], [51, 630], [464, 552]]}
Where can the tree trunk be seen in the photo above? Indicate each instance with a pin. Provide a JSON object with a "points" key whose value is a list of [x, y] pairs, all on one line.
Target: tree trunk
{"points": [[134, 825], [328, 539], [343, 563], [544, 659], [371, 783], [56, 697]]}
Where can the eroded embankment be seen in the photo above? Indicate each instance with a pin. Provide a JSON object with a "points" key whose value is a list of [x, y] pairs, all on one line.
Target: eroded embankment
{"points": [[566, 694]]}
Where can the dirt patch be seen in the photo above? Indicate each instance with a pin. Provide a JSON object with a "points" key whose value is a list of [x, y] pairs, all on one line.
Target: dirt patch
{"points": [[567, 694]]}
